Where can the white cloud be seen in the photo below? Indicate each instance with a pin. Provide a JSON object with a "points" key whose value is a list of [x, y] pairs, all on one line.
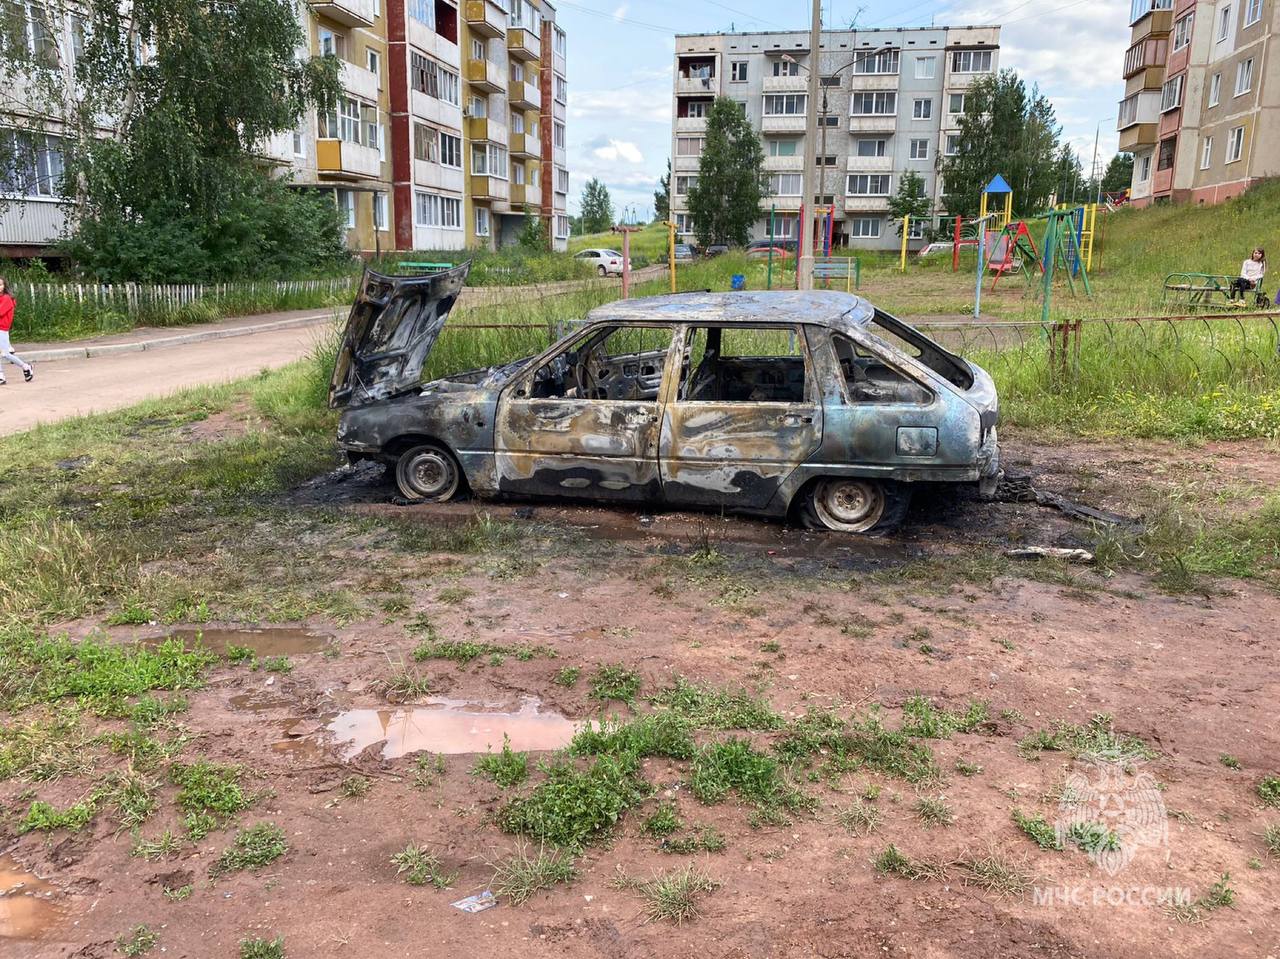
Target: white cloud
{"points": [[650, 103], [621, 12], [619, 150]]}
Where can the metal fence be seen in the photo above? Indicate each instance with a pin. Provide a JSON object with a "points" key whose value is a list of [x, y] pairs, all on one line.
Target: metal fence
{"points": [[144, 297]]}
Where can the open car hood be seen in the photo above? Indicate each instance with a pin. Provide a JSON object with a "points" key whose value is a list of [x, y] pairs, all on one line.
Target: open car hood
{"points": [[392, 327]]}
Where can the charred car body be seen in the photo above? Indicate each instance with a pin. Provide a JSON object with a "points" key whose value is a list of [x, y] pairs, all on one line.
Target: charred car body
{"points": [[770, 403]]}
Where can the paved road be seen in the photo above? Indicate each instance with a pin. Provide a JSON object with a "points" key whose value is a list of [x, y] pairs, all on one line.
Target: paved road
{"points": [[72, 387]]}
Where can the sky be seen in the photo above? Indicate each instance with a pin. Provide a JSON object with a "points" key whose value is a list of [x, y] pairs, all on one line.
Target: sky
{"points": [[621, 54]]}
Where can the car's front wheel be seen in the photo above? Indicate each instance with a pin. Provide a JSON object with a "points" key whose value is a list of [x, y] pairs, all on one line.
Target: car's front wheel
{"points": [[857, 505], [428, 474]]}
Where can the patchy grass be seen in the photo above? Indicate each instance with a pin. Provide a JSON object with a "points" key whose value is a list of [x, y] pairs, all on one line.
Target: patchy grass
{"points": [[706, 839], [573, 807], [1271, 839], [734, 765], [567, 676], [967, 769], [405, 684], [464, 652], [1096, 738], [923, 720], [892, 862], [505, 768], [155, 849], [996, 872], [1220, 894], [178, 894], [654, 734], [210, 794], [1269, 790], [419, 866], [518, 876], [43, 817], [138, 941], [663, 821], [252, 848], [671, 896], [860, 817], [262, 948], [356, 787], [1092, 837], [710, 708], [1229, 761], [855, 745], [934, 811], [1037, 830], [615, 682]]}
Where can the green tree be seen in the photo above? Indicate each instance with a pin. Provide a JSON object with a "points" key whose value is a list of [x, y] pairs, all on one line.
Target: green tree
{"points": [[1071, 183], [725, 202], [1119, 173], [909, 200], [194, 90], [597, 207], [1009, 130], [533, 234], [662, 196]]}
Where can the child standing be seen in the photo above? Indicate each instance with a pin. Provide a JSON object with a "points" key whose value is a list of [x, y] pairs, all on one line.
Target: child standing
{"points": [[7, 305]]}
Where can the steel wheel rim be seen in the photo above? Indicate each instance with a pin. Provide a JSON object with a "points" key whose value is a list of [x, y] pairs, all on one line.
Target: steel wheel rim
{"points": [[428, 474], [852, 506]]}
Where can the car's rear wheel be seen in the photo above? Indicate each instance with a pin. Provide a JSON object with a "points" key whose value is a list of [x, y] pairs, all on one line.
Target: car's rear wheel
{"points": [[856, 505], [428, 474], [603, 270]]}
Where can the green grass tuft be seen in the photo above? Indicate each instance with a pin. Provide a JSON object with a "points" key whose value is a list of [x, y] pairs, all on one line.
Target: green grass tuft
{"points": [[1097, 738], [252, 848], [924, 720], [138, 941], [1269, 790], [1039, 831], [573, 807], [734, 765], [419, 866], [262, 948], [615, 682], [707, 707], [517, 877], [506, 768], [892, 862], [654, 734]]}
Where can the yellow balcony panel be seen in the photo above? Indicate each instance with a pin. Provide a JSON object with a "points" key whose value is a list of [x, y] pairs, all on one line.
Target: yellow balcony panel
{"points": [[1155, 24], [1138, 135], [485, 18], [349, 13], [524, 95], [489, 188], [485, 75], [525, 145], [340, 160], [523, 44], [517, 195]]}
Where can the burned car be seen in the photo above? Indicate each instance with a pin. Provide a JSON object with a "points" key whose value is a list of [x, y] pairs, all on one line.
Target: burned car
{"points": [[810, 404]]}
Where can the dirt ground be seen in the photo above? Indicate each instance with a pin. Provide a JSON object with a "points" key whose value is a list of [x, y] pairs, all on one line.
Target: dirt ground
{"points": [[811, 622]]}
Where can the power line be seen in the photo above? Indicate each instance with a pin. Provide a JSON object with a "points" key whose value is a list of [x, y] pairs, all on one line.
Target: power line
{"points": [[666, 31]]}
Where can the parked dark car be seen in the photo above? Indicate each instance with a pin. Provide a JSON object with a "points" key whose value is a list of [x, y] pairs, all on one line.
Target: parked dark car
{"points": [[715, 249], [811, 404]]}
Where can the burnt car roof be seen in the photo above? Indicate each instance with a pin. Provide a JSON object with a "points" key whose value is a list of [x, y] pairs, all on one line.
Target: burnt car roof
{"points": [[826, 307]]}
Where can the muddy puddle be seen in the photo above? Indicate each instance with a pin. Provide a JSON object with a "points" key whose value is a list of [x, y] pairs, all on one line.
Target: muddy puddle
{"points": [[448, 726], [27, 910], [264, 640]]}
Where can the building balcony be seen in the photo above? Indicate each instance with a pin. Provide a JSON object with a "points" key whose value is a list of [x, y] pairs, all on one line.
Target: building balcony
{"points": [[486, 75], [359, 82], [798, 84], [1157, 23], [489, 188], [706, 86], [689, 164], [691, 124], [486, 130], [1138, 135], [783, 123], [524, 95], [349, 13], [858, 164], [866, 204], [520, 193], [525, 145], [873, 82], [880, 123], [783, 164], [782, 204], [485, 18], [523, 44], [1151, 78], [341, 160]]}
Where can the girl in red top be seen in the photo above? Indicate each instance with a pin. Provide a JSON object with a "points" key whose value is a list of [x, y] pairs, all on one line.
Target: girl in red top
{"points": [[7, 304]]}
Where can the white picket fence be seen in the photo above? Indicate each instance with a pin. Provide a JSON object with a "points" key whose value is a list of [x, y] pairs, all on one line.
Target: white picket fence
{"points": [[141, 298]]}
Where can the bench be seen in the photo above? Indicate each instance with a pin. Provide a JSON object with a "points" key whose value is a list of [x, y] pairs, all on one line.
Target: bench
{"points": [[424, 267], [846, 269], [1195, 290]]}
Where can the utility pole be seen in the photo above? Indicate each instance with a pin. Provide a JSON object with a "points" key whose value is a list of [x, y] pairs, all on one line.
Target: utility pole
{"points": [[804, 261], [626, 232]]}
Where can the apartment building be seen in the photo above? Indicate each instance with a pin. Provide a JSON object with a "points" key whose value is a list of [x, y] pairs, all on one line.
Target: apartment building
{"points": [[890, 102], [555, 100], [1201, 112]]}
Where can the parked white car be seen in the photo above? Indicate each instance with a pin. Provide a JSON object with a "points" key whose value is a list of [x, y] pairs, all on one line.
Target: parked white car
{"points": [[606, 262]]}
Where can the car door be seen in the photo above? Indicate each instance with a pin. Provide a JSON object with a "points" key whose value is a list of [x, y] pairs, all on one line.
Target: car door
{"points": [[585, 419], [744, 414]]}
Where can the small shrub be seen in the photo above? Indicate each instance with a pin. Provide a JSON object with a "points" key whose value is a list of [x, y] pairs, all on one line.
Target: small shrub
{"points": [[1269, 790], [1229, 761], [356, 787], [572, 807], [656, 734], [262, 948], [137, 942], [567, 676], [735, 765], [506, 768], [663, 821]]}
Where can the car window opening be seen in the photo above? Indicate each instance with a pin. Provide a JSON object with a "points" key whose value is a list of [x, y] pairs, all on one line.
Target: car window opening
{"points": [[870, 380], [744, 365], [906, 339], [616, 363]]}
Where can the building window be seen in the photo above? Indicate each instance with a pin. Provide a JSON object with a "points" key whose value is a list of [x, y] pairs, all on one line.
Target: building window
{"points": [[689, 146], [380, 211], [784, 104], [426, 142], [829, 82], [1140, 8], [517, 173], [1168, 148], [373, 60], [1215, 90], [786, 184], [347, 208], [783, 148], [886, 61], [424, 11], [1252, 12], [1224, 24], [868, 184], [35, 167], [684, 184], [922, 109], [870, 148], [562, 227], [1171, 95], [441, 211], [926, 68], [1182, 32], [784, 227], [865, 228], [829, 160], [919, 149], [482, 221], [684, 223], [427, 76], [953, 144], [916, 230], [873, 104], [451, 152], [332, 44], [299, 147], [786, 68], [738, 71], [1235, 144], [1144, 169], [562, 180], [561, 89], [955, 105], [517, 122], [1244, 77], [557, 135], [829, 120], [477, 49], [1206, 154], [973, 61], [560, 45]]}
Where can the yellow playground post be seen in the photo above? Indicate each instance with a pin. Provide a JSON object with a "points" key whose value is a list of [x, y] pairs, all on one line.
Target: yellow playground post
{"points": [[998, 186], [906, 233]]}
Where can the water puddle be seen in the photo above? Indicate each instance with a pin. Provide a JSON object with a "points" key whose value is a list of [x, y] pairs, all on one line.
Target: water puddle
{"points": [[26, 910], [264, 640], [449, 726]]}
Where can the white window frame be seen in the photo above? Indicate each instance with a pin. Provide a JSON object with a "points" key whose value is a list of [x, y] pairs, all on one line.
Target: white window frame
{"points": [[776, 145], [424, 11], [922, 108], [951, 102], [685, 146], [1171, 94], [1206, 153], [953, 140], [883, 63], [1215, 90], [792, 104], [1252, 12], [483, 221], [859, 227], [346, 200], [916, 230], [926, 68], [450, 150], [1244, 77], [919, 148], [970, 61], [373, 62], [381, 221], [739, 71], [872, 187], [887, 100], [881, 148], [786, 184], [1224, 24], [1144, 168], [1235, 144], [1182, 31]]}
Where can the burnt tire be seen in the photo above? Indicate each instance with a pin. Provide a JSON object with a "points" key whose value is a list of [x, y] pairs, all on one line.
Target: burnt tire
{"points": [[428, 474], [866, 507]]}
